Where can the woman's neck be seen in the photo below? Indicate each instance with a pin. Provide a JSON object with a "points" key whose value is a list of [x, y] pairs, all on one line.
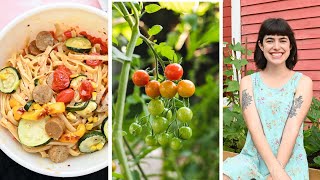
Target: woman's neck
{"points": [[276, 70]]}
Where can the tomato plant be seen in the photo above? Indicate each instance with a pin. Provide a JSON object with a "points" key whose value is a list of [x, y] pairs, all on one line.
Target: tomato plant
{"points": [[156, 95]]}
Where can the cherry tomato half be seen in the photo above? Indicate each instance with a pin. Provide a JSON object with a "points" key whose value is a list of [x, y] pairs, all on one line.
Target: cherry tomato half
{"points": [[64, 69], [186, 88], [94, 63], [85, 90], [168, 89], [140, 78], [173, 71], [61, 80], [65, 96], [152, 89], [68, 34]]}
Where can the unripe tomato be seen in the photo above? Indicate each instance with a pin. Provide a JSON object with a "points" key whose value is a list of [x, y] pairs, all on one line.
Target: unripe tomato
{"points": [[163, 139], [159, 124], [140, 78], [168, 89], [114, 166], [135, 129], [176, 143], [184, 114], [173, 71], [186, 88], [155, 107], [167, 113], [152, 89], [185, 132], [151, 140]]}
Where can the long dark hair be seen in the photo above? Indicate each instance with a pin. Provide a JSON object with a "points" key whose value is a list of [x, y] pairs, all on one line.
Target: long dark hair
{"points": [[275, 26]]}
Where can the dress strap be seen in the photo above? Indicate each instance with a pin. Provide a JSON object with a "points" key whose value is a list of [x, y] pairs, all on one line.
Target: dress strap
{"points": [[296, 79]]}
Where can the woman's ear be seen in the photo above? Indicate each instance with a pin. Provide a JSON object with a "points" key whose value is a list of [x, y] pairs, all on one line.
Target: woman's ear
{"points": [[260, 45]]}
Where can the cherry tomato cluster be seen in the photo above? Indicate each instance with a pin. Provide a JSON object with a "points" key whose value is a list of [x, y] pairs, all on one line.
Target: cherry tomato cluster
{"points": [[167, 121]]}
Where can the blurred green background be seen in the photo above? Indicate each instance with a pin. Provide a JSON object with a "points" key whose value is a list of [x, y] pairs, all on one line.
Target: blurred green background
{"points": [[192, 30]]}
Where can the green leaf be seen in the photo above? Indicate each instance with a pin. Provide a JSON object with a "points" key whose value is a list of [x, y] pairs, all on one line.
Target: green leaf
{"points": [[317, 160], [115, 41], [227, 116], [154, 30], [152, 8], [237, 64], [232, 86], [249, 72], [117, 175], [118, 55], [139, 42], [228, 72], [236, 47], [166, 51], [135, 175], [227, 60]]}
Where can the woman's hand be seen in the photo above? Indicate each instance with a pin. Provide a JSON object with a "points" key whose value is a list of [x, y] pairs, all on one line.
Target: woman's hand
{"points": [[278, 174]]}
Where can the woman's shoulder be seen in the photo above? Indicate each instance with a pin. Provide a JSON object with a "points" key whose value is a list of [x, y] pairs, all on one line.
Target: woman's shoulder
{"points": [[305, 81], [246, 81]]}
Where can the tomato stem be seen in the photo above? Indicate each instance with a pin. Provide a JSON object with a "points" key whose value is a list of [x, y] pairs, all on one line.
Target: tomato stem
{"points": [[123, 82]]}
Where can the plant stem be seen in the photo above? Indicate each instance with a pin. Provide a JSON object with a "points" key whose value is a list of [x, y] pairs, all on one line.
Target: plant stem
{"points": [[119, 112], [134, 157]]}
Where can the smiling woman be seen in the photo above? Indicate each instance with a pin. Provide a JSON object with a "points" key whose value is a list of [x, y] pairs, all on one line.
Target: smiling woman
{"points": [[274, 103]]}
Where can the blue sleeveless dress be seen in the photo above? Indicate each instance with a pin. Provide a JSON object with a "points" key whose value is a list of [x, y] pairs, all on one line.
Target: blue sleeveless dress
{"points": [[273, 106]]}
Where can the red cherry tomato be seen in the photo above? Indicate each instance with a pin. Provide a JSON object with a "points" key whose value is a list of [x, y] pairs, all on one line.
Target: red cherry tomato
{"points": [[140, 78], [85, 90], [186, 88], [173, 71], [152, 89], [68, 34], [64, 69], [168, 89], [65, 96], [94, 63], [60, 81]]}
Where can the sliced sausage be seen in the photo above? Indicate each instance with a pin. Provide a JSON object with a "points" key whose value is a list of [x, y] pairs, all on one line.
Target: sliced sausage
{"points": [[50, 80], [42, 94], [58, 154], [33, 48], [55, 127], [43, 40]]}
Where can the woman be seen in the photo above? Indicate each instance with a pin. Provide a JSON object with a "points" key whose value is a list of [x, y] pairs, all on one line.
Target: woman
{"points": [[274, 102]]}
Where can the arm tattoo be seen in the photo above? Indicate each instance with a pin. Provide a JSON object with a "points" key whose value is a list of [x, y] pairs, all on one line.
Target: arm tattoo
{"points": [[246, 99], [295, 106]]}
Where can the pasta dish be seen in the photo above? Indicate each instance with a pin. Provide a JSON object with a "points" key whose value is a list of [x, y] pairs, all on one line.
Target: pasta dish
{"points": [[53, 96]]}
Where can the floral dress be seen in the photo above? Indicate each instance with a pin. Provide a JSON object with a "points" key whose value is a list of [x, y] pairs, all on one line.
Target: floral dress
{"points": [[273, 106]]}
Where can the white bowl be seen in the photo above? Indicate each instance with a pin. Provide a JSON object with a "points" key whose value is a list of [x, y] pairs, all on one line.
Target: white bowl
{"points": [[13, 38]]}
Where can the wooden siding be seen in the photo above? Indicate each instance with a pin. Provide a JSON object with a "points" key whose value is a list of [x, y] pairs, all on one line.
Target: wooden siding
{"points": [[303, 17], [227, 21]]}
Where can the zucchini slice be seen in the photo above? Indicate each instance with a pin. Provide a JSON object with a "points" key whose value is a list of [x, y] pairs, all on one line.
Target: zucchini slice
{"points": [[32, 133], [9, 80], [75, 82], [92, 106], [28, 105], [104, 127], [79, 44], [77, 106], [92, 141]]}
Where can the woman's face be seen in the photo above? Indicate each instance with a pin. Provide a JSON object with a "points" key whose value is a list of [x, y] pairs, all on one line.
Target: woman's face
{"points": [[276, 48]]}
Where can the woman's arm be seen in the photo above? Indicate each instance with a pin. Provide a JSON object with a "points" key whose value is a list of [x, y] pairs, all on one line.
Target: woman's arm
{"points": [[253, 122], [298, 112]]}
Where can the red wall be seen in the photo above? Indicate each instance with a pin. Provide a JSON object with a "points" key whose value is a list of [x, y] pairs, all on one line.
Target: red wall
{"points": [[303, 17]]}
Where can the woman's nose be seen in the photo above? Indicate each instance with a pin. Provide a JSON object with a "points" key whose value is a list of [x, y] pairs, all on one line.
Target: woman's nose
{"points": [[276, 45]]}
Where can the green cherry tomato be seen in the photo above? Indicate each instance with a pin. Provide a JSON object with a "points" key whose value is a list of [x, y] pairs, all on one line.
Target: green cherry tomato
{"points": [[184, 114], [176, 143], [167, 113], [151, 140], [185, 132], [155, 107], [159, 124], [163, 139], [135, 129]]}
